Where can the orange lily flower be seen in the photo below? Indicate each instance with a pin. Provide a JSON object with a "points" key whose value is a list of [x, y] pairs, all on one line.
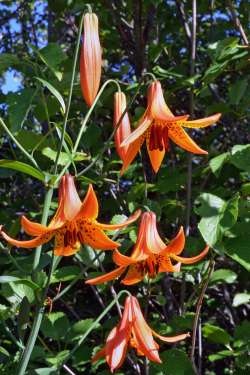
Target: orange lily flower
{"points": [[74, 223], [90, 59], [149, 256], [132, 330], [158, 125], [123, 130]]}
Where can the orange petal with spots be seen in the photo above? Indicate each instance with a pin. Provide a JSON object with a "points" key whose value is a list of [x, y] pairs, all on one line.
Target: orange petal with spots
{"points": [[176, 245], [167, 266], [89, 207], [37, 241], [97, 239], [133, 276], [201, 123], [131, 153], [130, 220], [138, 132], [190, 260], [156, 157], [33, 229], [182, 139], [107, 277], [123, 260]]}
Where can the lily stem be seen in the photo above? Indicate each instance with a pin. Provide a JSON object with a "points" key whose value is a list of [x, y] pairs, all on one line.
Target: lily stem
{"points": [[197, 313]]}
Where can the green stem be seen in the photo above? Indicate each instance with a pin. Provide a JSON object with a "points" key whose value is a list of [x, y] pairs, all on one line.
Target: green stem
{"points": [[36, 326], [5, 127], [116, 299], [70, 94], [45, 215]]}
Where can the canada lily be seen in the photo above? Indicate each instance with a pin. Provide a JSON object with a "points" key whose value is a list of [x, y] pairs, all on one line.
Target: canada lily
{"points": [[158, 125], [73, 223], [90, 59], [132, 331], [149, 256], [123, 129]]}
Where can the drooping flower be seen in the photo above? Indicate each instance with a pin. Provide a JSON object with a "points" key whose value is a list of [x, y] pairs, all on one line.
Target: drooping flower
{"points": [[74, 223], [158, 125], [90, 59], [123, 129], [149, 256], [132, 331]]}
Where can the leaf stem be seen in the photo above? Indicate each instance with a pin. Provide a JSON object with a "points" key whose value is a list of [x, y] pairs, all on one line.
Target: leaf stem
{"points": [[5, 127]]}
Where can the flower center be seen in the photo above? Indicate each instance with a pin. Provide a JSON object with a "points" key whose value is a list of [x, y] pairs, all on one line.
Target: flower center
{"points": [[158, 139]]}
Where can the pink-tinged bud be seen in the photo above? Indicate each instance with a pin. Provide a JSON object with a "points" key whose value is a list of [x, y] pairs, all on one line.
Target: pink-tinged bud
{"points": [[124, 129], [91, 59]]}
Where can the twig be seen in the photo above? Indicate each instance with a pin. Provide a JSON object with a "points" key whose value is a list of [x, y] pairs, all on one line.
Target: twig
{"points": [[197, 313], [237, 22]]}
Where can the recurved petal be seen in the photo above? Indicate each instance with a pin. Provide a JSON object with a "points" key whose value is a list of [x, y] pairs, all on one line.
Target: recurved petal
{"points": [[182, 139], [97, 239], [107, 277], [190, 260], [123, 260], [37, 241], [201, 123], [133, 276], [143, 334], [99, 355], [130, 220], [176, 245], [71, 202], [89, 207], [171, 339], [131, 153], [153, 240], [33, 229], [156, 157], [167, 266], [138, 132]]}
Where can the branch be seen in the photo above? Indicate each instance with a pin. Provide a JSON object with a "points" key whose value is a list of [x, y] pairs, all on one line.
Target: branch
{"points": [[237, 22]]}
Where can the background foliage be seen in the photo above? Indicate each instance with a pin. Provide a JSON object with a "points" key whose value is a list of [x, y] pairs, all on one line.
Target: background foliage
{"points": [[37, 45]]}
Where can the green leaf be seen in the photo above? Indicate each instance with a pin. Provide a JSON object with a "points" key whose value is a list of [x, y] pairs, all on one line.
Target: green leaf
{"points": [[23, 317], [237, 91], [217, 216], [241, 299], [216, 334], [65, 274], [17, 280], [240, 157], [22, 167], [7, 60], [19, 105], [220, 355], [223, 275], [217, 163], [79, 328], [176, 362], [52, 55], [54, 92], [64, 157], [237, 245], [55, 325], [88, 256], [4, 351]]}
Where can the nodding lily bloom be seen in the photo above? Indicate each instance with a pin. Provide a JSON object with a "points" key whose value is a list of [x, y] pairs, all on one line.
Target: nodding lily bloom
{"points": [[123, 130], [158, 125], [90, 59], [74, 223], [149, 256], [132, 331]]}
